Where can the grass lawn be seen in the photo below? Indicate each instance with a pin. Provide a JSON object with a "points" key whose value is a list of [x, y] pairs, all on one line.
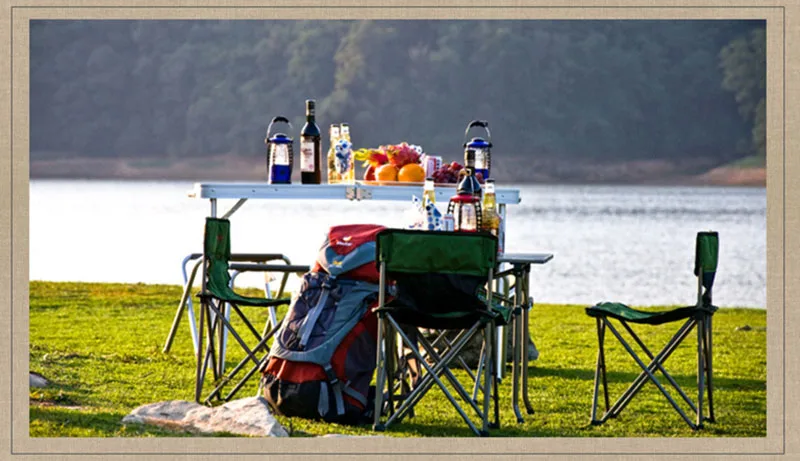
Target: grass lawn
{"points": [[100, 345]]}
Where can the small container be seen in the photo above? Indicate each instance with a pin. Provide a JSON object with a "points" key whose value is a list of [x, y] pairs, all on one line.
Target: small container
{"points": [[280, 154], [431, 163], [466, 205], [449, 222], [478, 151]]}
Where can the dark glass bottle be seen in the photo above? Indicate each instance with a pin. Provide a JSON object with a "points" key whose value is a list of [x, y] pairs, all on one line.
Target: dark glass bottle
{"points": [[310, 161]]}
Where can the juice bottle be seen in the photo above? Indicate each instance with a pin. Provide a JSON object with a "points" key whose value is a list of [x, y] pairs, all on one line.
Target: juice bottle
{"points": [[349, 176], [490, 218], [333, 176], [428, 192]]}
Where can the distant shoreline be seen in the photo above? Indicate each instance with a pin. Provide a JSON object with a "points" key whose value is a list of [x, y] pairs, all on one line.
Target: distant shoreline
{"points": [[236, 168]]}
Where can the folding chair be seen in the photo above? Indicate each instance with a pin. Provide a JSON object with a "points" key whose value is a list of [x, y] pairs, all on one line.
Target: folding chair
{"points": [[188, 282], [216, 291], [437, 277], [699, 315]]}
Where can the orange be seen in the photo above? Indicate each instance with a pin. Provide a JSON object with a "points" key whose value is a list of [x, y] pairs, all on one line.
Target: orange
{"points": [[386, 172], [413, 172]]}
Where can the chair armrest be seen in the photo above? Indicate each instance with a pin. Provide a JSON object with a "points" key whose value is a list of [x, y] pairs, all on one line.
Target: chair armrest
{"points": [[259, 257], [251, 267], [524, 258]]}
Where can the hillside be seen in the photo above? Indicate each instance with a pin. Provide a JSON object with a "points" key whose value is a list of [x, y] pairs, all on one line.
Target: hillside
{"points": [[569, 101]]}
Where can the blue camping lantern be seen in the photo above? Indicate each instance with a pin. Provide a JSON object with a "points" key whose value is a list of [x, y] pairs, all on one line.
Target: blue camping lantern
{"points": [[280, 154], [478, 151]]}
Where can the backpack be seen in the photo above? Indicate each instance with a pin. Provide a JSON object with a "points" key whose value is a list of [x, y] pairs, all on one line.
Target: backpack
{"points": [[323, 356]]}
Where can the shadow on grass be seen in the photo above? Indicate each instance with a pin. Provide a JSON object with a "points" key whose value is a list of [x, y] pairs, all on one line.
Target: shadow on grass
{"points": [[90, 424], [628, 377], [434, 429], [95, 424]]}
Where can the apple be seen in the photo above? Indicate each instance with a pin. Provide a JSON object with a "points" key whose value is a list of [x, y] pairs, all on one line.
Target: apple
{"points": [[369, 175]]}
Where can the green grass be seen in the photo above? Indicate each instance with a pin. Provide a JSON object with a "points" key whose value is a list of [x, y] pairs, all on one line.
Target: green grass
{"points": [[100, 345]]}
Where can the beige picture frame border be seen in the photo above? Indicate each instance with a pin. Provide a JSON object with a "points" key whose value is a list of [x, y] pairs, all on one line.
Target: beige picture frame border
{"points": [[783, 72]]}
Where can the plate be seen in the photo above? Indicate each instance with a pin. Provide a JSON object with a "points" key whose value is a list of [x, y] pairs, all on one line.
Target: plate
{"points": [[403, 183]]}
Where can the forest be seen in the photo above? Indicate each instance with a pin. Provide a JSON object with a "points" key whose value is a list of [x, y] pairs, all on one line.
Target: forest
{"points": [[690, 92]]}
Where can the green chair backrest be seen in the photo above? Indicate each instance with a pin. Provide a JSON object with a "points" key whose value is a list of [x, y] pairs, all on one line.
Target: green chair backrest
{"points": [[419, 252], [217, 250], [705, 261]]}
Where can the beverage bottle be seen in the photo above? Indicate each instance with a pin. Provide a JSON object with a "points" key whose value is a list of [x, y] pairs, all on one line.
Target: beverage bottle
{"points": [[310, 168], [349, 177], [491, 218], [428, 192], [333, 175]]}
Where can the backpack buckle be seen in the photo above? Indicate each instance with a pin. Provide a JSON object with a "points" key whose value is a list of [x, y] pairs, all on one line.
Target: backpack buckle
{"points": [[330, 374]]}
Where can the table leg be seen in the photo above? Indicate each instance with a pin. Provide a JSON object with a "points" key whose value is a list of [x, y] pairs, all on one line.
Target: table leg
{"points": [[516, 336], [501, 340], [528, 304]]}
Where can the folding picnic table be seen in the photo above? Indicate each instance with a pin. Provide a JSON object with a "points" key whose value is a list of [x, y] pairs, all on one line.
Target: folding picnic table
{"points": [[242, 192]]}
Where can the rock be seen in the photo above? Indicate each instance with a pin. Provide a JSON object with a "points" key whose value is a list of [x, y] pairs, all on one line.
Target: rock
{"points": [[248, 416], [37, 380]]}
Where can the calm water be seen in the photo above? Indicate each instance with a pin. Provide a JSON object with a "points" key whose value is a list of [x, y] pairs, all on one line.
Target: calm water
{"points": [[625, 243]]}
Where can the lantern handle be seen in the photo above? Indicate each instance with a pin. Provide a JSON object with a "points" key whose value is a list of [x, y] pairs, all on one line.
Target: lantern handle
{"points": [[277, 119], [481, 124]]}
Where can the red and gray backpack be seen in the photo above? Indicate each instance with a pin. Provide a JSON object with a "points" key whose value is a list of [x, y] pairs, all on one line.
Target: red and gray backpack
{"points": [[323, 357]]}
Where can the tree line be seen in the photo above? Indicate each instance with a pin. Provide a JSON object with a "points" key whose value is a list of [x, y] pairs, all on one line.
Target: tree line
{"points": [[597, 90]]}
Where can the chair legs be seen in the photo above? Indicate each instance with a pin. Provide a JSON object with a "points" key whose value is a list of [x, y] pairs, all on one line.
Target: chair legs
{"points": [[213, 320], [387, 329], [600, 370], [704, 371], [709, 369]]}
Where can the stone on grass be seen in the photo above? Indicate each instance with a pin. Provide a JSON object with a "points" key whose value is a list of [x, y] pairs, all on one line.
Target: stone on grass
{"points": [[249, 416], [37, 380]]}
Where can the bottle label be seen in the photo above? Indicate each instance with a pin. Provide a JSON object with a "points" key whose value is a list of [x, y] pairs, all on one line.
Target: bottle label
{"points": [[307, 155]]}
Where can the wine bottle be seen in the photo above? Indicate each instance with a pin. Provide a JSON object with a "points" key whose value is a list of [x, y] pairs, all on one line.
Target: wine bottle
{"points": [[310, 168]]}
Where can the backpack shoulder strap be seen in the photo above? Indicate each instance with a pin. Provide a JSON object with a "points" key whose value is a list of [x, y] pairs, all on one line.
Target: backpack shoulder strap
{"points": [[350, 308], [307, 326]]}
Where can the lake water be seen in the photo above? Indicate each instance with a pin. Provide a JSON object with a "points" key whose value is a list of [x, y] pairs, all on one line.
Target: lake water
{"points": [[633, 244]]}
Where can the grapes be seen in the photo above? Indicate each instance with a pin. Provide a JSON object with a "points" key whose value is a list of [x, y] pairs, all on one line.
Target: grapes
{"points": [[446, 174]]}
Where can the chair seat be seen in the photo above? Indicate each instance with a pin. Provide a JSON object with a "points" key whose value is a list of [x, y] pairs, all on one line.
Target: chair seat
{"points": [[232, 297], [443, 321], [622, 312]]}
